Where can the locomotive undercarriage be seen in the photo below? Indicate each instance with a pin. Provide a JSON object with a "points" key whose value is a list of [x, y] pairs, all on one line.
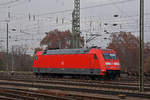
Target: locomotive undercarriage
{"points": [[67, 73], [110, 74], [69, 76]]}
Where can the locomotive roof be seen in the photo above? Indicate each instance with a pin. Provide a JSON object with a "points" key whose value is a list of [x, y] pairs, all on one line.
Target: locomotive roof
{"points": [[67, 51]]}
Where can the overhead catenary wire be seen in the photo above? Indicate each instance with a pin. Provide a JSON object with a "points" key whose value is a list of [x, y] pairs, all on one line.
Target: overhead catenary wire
{"points": [[88, 7], [32, 28], [9, 2]]}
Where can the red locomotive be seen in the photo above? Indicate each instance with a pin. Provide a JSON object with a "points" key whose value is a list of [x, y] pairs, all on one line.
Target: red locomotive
{"points": [[93, 62]]}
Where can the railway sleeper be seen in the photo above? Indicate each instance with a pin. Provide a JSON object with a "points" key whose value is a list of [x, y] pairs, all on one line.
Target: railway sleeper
{"points": [[17, 96]]}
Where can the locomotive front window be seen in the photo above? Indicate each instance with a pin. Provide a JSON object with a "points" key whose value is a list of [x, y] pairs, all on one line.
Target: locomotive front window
{"points": [[113, 56], [109, 56]]}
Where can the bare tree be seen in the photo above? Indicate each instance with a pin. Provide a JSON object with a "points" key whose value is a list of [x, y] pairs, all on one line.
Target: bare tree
{"points": [[59, 39], [127, 47]]}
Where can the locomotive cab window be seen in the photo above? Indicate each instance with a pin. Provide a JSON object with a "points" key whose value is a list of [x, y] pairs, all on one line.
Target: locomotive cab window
{"points": [[95, 56], [109, 56]]}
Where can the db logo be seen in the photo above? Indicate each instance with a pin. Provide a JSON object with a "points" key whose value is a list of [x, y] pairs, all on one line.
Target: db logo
{"points": [[62, 63]]}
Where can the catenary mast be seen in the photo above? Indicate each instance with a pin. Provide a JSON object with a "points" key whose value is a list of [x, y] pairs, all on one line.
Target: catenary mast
{"points": [[76, 25]]}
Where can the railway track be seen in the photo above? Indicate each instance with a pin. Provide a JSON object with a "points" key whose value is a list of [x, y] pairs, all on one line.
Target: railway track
{"points": [[75, 88], [30, 75], [113, 84], [119, 84], [97, 87], [98, 84], [118, 80], [22, 94], [24, 91]]}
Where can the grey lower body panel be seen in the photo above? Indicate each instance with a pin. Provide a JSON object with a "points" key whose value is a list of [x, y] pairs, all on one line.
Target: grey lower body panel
{"points": [[67, 71]]}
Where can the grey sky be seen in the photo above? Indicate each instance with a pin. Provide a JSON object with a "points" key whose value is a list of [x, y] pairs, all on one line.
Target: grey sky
{"points": [[99, 12]]}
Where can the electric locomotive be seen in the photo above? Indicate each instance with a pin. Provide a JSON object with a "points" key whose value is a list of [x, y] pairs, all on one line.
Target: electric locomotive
{"points": [[92, 62]]}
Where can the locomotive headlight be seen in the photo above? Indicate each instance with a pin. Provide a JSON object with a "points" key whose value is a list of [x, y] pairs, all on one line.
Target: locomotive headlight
{"points": [[103, 70], [116, 63], [108, 63]]}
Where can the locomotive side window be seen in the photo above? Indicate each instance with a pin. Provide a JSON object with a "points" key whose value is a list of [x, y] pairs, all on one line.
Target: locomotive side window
{"points": [[44, 52], [36, 58], [95, 56]]}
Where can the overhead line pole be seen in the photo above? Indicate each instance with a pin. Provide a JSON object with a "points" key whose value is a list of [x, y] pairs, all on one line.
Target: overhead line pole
{"points": [[141, 77], [76, 25], [7, 46], [7, 39]]}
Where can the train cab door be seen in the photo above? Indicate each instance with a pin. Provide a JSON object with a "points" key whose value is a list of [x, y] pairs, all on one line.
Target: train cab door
{"points": [[94, 61]]}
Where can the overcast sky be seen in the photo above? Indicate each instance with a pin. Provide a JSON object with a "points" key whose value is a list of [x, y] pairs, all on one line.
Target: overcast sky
{"points": [[94, 13]]}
